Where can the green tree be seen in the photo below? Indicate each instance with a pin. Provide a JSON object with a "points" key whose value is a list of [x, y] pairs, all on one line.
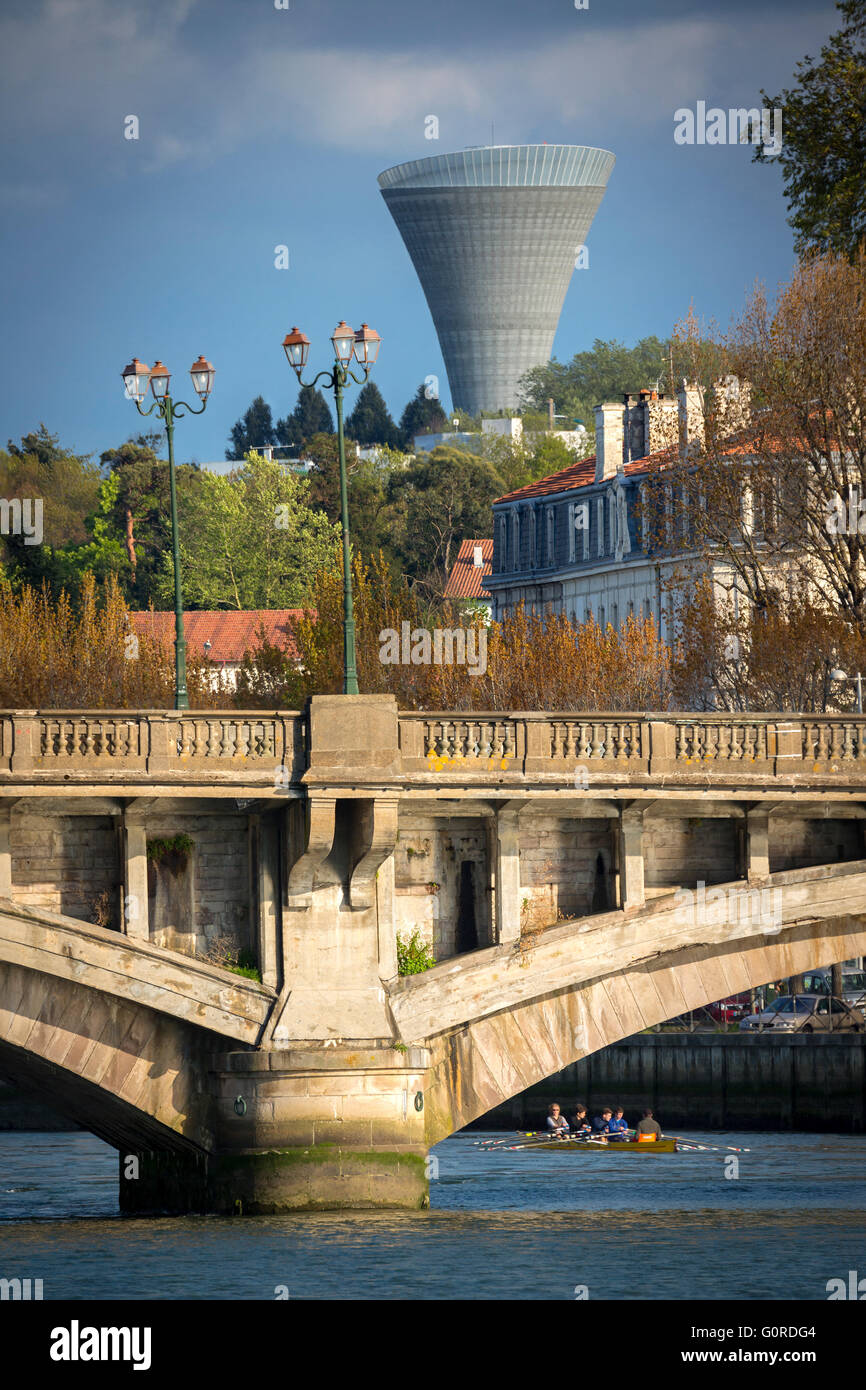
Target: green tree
{"points": [[142, 513], [823, 154], [370, 422], [311, 416], [423, 415], [248, 539], [255, 430], [602, 374], [66, 487], [443, 497]]}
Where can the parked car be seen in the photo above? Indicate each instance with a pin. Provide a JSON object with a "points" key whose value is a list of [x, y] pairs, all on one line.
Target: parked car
{"points": [[806, 1013], [853, 984], [729, 1010]]}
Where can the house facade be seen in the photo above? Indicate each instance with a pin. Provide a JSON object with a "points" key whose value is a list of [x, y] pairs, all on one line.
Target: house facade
{"points": [[577, 542]]}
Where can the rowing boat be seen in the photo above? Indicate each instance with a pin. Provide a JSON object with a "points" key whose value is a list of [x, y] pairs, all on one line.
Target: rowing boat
{"points": [[660, 1146]]}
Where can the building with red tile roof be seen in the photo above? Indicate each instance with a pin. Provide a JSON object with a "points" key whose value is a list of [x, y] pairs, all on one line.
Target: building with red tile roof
{"points": [[223, 635], [575, 541], [466, 580]]}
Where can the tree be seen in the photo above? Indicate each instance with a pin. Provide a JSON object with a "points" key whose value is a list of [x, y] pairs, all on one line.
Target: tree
{"points": [[370, 422], [823, 154], [248, 539], [444, 496], [423, 415], [255, 430], [59, 488], [602, 374], [766, 491], [310, 416], [141, 512]]}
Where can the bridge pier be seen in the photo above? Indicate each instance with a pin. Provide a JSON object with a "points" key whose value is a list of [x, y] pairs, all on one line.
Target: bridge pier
{"points": [[309, 1128]]}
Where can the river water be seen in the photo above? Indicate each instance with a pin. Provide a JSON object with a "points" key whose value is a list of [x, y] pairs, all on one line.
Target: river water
{"points": [[501, 1226]]}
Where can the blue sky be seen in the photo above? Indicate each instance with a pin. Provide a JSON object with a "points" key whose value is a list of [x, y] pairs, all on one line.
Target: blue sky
{"points": [[260, 127]]}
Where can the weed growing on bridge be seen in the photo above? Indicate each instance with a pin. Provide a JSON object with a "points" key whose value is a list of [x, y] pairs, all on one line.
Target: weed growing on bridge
{"points": [[414, 956], [224, 952]]}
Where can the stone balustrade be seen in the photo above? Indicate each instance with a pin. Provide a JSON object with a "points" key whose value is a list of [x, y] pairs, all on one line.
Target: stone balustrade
{"points": [[124, 745], [264, 748]]}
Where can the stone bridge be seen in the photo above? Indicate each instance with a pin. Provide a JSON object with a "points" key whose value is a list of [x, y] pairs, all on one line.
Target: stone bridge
{"points": [[579, 879]]}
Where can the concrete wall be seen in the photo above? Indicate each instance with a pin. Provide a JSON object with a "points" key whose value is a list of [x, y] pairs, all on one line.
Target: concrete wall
{"points": [[428, 878], [711, 1081], [798, 844], [688, 851], [216, 899], [559, 870], [64, 863]]}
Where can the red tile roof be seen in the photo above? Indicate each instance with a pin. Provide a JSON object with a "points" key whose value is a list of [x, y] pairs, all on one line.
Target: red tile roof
{"points": [[231, 633], [465, 578], [582, 474]]}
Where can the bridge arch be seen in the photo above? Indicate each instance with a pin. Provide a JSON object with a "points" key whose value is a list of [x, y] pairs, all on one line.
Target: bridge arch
{"points": [[595, 982]]}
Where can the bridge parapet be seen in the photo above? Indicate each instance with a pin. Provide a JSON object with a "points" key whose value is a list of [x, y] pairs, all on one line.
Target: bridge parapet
{"points": [[126, 745], [284, 748], [692, 747]]}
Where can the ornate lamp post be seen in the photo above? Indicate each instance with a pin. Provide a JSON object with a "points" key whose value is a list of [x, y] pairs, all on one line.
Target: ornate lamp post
{"points": [[363, 346], [136, 377]]}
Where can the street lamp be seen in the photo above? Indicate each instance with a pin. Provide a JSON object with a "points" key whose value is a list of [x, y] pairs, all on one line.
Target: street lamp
{"points": [[838, 675], [137, 376], [363, 347]]}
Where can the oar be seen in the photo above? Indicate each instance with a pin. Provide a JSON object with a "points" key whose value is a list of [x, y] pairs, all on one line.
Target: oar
{"points": [[690, 1145]]}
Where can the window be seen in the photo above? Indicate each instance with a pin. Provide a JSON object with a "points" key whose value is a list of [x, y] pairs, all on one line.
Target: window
{"points": [[503, 543], [599, 525], [515, 531], [611, 521], [550, 519], [616, 616]]}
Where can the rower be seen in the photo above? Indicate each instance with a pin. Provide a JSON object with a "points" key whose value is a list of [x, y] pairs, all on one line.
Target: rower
{"points": [[580, 1124], [618, 1127], [601, 1123], [556, 1121], [648, 1128]]}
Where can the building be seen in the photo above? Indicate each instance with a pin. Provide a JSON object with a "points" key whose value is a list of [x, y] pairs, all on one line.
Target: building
{"points": [[468, 575], [494, 233], [221, 636], [509, 428], [577, 541]]}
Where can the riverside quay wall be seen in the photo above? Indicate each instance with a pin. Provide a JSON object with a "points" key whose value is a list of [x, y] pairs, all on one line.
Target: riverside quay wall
{"points": [[199, 918], [713, 1081]]}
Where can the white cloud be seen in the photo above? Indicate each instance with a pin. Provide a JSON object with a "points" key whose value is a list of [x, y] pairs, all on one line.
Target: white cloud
{"points": [[77, 67]]}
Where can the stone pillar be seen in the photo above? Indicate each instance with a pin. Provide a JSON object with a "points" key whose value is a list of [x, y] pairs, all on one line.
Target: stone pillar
{"points": [[507, 886], [265, 858], [757, 847], [309, 1128], [135, 909], [632, 890], [5, 853]]}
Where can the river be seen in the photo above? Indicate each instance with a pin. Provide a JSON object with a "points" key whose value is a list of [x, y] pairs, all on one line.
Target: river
{"points": [[501, 1225]]}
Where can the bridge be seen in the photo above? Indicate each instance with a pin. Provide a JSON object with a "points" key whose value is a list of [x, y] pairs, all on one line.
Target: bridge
{"points": [[581, 877]]}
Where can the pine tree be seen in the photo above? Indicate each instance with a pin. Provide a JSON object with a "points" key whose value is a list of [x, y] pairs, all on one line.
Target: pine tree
{"points": [[310, 416], [423, 415], [254, 431], [370, 422]]}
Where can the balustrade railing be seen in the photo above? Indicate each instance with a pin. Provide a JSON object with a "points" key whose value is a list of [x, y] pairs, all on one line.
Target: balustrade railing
{"points": [[116, 744]]}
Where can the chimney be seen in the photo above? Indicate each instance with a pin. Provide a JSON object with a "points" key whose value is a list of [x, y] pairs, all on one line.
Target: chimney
{"points": [[731, 405], [478, 557], [690, 398], [609, 419]]}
